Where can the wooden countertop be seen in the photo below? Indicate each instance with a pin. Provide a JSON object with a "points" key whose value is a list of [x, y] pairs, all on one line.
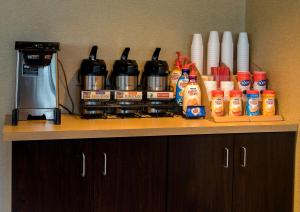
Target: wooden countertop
{"points": [[74, 127]]}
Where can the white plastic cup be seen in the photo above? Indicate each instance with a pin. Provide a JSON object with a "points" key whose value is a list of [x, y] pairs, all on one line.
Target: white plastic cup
{"points": [[197, 51], [210, 86], [227, 86], [213, 51], [243, 52], [213, 37], [227, 50]]}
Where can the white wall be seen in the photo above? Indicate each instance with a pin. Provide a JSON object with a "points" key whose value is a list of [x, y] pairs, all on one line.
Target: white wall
{"points": [[111, 24]]}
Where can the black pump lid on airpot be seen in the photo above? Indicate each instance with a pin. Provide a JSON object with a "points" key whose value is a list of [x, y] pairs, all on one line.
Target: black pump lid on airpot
{"points": [[156, 67], [93, 66], [125, 67]]}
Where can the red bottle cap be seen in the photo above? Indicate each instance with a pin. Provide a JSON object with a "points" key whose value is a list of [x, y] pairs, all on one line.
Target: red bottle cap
{"points": [[215, 93], [243, 75], [269, 92], [259, 75], [236, 93], [193, 73], [252, 92], [187, 66]]}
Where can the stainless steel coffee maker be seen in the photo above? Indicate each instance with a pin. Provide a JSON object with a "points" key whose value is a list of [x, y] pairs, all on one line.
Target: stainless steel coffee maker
{"points": [[36, 82]]}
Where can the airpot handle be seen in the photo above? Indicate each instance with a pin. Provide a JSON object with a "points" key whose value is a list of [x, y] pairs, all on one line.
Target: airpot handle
{"points": [[125, 53], [156, 54], [93, 53]]}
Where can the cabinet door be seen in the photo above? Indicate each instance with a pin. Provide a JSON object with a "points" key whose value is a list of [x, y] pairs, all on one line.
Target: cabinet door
{"points": [[36, 177], [264, 172], [130, 175], [77, 176], [46, 177], [200, 173]]}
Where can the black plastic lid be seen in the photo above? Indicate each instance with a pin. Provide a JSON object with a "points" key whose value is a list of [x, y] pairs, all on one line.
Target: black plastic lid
{"points": [[36, 46], [156, 67], [93, 66], [125, 67]]}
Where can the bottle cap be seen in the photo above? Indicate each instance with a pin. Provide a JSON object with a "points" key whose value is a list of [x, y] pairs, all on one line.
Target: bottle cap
{"points": [[259, 75], [236, 93], [187, 66], [217, 93], [269, 92], [243, 75], [252, 92]]}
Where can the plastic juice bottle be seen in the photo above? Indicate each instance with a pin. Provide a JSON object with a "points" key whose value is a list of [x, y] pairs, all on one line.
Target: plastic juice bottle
{"points": [[176, 73], [182, 83], [192, 92]]}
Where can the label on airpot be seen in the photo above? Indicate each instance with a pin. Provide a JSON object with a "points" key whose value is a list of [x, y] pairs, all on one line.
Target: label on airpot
{"points": [[95, 95], [160, 95], [128, 95]]}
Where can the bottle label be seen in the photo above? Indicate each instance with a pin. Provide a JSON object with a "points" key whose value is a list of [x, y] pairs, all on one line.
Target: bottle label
{"points": [[182, 83], [252, 107], [244, 85], [269, 106], [235, 107], [218, 106]]}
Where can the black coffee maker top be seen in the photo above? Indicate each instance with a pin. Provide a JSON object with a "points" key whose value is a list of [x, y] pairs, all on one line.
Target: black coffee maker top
{"points": [[92, 65], [156, 67], [37, 46], [124, 66]]}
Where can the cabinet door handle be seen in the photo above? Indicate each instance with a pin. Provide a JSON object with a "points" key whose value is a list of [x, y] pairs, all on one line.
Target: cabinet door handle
{"points": [[244, 155], [226, 163], [104, 172], [83, 165]]}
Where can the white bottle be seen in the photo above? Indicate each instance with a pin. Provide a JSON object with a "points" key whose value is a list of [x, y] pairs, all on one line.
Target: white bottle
{"points": [[192, 92]]}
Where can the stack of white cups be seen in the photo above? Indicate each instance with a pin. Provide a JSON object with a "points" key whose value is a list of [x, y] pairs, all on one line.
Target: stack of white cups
{"points": [[197, 52], [213, 51], [243, 52], [227, 50]]}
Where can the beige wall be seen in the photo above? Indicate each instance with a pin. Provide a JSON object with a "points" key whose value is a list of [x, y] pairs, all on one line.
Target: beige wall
{"points": [[274, 28], [111, 24]]}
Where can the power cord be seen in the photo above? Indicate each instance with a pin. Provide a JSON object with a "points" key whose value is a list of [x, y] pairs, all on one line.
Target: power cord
{"points": [[67, 89]]}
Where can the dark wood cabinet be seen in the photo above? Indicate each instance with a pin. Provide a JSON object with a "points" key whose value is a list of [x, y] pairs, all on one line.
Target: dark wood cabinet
{"points": [[47, 176], [132, 175], [91, 175], [200, 173], [259, 177], [36, 177], [264, 172], [211, 173]]}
